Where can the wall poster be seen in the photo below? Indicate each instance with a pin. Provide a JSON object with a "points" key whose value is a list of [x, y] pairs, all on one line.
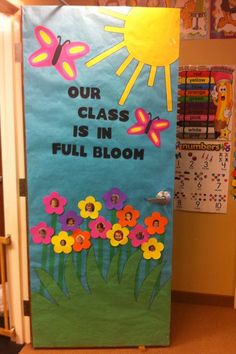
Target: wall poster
{"points": [[204, 125], [223, 19], [100, 108]]}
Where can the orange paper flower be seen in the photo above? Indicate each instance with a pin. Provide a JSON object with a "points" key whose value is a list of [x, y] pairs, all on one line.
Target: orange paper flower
{"points": [[156, 223], [82, 240], [128, 216]]}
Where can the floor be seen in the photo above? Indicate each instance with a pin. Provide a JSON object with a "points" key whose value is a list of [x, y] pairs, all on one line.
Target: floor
{"points": [[196, 329]]}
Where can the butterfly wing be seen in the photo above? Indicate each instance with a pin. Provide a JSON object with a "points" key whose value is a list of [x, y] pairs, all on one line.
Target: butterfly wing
{"points": [[143, 119], [70, 52], [154, 132], [48, 43]]}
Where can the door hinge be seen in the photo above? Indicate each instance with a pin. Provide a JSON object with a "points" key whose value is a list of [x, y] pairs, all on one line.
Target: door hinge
{"points": [[22, 187], [26, 308], [18, 52]]}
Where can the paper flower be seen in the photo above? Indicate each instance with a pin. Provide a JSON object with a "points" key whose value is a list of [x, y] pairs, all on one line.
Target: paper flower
{"points": [[99, 227], [54, 203], [114, 199], [118, 235], [156, 223], [89, 208], [62, 242], [70, 221], [152, 249], [138, 236], [128, 216], [42, 233], [81, 240]]}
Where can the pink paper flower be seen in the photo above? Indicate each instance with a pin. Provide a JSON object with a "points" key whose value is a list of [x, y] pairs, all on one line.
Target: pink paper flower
{"points": [[138, 236], [42, 233], [54, 203], [99, 227]]}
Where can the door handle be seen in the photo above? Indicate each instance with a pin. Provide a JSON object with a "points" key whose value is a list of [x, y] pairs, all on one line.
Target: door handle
{"points": [[0, 179], [162, 197]]}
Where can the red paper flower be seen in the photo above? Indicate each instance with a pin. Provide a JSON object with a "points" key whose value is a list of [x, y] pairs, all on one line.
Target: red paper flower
{"points": [[128, 216], [99, 227], [54, 203], [138, 236], [156, 223], [42, 233]]}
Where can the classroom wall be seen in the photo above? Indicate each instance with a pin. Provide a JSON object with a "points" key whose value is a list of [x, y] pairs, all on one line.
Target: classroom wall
{"points": [[204, 244], [204, 248]]}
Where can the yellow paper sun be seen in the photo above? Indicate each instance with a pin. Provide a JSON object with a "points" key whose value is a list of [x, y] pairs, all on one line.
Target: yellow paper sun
{"points": [[151, 37]]}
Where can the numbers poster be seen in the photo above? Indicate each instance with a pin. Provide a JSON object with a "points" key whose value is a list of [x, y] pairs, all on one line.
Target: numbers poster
{"points": [[204, 125]]}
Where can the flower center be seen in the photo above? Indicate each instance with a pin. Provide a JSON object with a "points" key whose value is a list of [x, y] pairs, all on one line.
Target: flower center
{"points": [[54, 203], [140, 236], [152, 248], [118, 235], [63, 242], [100, 227], [115, 198], [79, 239], [70, 222], [156, 223], [42, 233], [89, 207], [128, 216]]}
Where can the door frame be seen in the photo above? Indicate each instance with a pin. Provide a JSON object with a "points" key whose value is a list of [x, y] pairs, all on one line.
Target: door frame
{"points": [[12, 141]]}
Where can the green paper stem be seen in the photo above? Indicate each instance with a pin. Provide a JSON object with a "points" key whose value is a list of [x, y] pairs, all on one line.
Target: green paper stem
{"points": [[52, 253], [147, 267], [61, 269], [78, 264], [113, 217], [112, 252], [113, 221], [100, 253], [43, 263], [87, 224]]}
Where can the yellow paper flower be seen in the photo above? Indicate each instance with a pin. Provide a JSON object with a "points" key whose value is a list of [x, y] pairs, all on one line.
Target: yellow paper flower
{"points": [[152, 249], [89, 208], [118, 235], [62, 242]]}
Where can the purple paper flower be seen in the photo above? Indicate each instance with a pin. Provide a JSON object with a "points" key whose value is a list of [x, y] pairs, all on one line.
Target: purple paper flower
{"points": [[70, 221], [54, 203], [138, 236], [114, 199], [42, 233], [99, 227]]}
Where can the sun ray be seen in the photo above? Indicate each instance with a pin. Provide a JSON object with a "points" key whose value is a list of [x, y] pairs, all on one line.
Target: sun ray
{"points": [[114, 29], [168, 88], [152, 75], [105, 54], [114, 14], [131, 83], [124, 65]]}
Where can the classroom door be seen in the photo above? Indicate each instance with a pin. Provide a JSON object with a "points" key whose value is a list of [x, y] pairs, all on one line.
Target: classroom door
{"points": [[100, 108]]}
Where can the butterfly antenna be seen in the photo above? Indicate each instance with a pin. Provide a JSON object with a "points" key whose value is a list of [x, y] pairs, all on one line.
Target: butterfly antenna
{"points": [[59, 37], [67, 41]]}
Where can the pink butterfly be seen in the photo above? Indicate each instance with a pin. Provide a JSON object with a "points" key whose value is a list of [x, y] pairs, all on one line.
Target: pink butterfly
{"points": [[57, 54], [146, 125]]}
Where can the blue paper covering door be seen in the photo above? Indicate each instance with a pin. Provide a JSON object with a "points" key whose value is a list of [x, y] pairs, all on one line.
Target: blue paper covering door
{"points": [[100, 88]]}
